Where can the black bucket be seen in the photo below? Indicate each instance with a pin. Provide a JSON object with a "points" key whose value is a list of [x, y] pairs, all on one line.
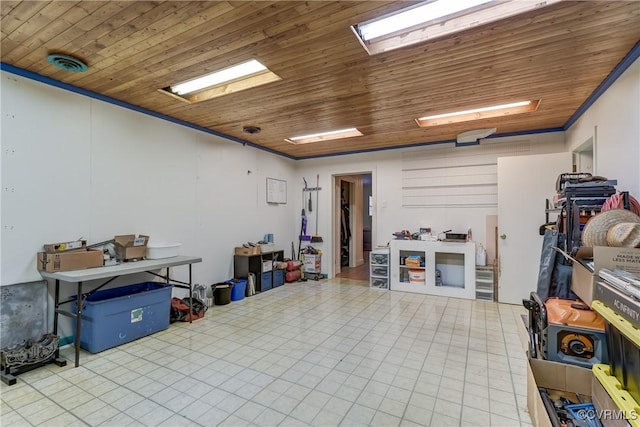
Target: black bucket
{"points": [[221, 293]]}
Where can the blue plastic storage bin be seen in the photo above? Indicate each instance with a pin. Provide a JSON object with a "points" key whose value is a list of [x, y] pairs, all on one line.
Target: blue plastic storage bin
{"points": [[239, 289], [265, 281], [120, 315], [278, 278]]}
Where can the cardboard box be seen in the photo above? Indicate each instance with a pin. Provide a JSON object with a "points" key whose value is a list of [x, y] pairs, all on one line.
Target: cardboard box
{"points": [[554, 376], [76, 245], [131, 246], [254, 250], [66, 261], [583, 279]]}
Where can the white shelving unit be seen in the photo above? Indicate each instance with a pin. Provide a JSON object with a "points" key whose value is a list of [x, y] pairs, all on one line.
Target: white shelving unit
{"points": [[485, 282], [454, 261], [379, 268]]}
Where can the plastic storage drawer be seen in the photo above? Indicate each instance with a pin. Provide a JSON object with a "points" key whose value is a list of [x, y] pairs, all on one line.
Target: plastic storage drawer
{"points": [[120, 315], [379, 271], [265, 281], [379, 282], [278, 278], [379, 257], [623, 344]]}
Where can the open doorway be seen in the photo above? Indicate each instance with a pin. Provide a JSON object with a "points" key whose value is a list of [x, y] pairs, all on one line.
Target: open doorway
{"points": [[583, 157], [353, 225]]}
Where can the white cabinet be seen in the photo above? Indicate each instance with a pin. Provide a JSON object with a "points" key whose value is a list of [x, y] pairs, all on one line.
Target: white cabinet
{"points": [[435, 268], [379, 268]]}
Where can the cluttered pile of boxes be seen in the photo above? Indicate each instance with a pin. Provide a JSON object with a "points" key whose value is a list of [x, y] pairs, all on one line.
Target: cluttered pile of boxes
{"points": [[584, 352], [77, 255]]}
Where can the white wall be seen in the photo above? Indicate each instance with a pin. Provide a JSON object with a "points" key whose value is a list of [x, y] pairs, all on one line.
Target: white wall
{"points": [[387, 174], [74, 166], [613, 121]]}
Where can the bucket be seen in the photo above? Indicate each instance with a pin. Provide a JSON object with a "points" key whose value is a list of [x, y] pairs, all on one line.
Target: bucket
{"points": [[416, 276], [238, 289], [221, 293]]}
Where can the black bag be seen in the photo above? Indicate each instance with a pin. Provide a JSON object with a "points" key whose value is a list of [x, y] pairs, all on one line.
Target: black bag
{"points": [[554, 276]]}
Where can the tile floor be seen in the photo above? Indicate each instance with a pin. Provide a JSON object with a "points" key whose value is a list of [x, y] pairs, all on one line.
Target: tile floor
{"points": [[327, 353]]}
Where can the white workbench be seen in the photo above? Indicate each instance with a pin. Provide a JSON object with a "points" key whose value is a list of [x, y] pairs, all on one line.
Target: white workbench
{"points": [[79, 276]]}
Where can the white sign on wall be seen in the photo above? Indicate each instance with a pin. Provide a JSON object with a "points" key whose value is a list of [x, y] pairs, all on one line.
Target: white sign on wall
{"points": [[276, 191]]}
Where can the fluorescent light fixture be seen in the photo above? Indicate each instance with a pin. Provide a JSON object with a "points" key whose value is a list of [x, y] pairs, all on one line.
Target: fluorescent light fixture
{"points": [[325, 136], [225, 75], [479, 113], [415, 16], [436, 18], [232, 79]]}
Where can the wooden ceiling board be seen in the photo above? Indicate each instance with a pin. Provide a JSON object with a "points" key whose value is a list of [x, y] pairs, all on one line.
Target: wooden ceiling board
{"points": [[559, 54], [84, 18], [186, 58]]}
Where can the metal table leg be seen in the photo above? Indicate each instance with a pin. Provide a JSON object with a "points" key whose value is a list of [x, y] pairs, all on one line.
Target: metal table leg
{"points": [[55, 312], [76, 337], [190, 296]]}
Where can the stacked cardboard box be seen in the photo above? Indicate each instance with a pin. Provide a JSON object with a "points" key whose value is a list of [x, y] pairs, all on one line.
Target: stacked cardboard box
{"points": [[131, 246], [66, 256]]}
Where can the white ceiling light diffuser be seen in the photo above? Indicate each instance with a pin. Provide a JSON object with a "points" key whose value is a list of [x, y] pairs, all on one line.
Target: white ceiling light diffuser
{"points": [[479, 113], [407, 18], [225, 75], [325, 136], [244, 75], [436, 18]]}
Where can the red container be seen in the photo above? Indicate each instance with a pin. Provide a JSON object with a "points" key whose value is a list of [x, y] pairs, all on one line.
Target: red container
{"points": [[292, 276]]}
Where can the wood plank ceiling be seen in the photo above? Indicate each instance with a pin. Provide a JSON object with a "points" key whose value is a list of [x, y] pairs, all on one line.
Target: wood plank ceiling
{"points": [[559, 54]]}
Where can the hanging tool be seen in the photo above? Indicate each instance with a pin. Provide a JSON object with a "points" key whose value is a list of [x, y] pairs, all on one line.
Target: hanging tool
{"points": [[316, 238], [303, 225], [309, 190], [303, 190]]}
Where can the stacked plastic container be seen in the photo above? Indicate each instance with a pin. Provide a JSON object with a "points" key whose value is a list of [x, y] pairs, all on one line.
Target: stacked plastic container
{"points": [[621, 378]]}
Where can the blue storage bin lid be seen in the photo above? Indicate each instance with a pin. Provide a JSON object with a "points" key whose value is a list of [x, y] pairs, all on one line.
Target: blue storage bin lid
{"points": [[124, 291]]}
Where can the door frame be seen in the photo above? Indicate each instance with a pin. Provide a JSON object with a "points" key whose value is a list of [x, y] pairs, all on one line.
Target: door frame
{"points": [[356, 206]]}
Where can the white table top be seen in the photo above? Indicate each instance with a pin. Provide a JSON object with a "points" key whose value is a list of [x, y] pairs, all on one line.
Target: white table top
{"points": [[120, 269]]}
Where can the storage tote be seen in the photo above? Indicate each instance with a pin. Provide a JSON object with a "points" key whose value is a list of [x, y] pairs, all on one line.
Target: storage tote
{"points": [[239, 289], [120, 315]]}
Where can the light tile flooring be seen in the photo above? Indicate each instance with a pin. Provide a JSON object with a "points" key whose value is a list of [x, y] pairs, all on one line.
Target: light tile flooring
{"points": [[327, 353]]}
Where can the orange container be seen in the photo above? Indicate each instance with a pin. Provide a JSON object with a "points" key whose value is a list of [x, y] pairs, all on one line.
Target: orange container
{"points": [[573, 313]]}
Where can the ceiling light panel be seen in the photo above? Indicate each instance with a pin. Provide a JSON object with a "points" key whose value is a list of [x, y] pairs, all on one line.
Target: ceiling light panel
{"points": [[437, 18], [232, 79], [479, 113], [226, 75], [414, 16], [325, 136]]}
